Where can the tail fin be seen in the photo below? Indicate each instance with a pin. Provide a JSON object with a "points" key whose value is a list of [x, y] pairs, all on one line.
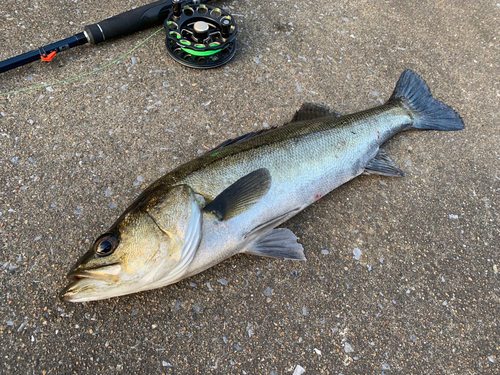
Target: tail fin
{"points": [[429, 113]]}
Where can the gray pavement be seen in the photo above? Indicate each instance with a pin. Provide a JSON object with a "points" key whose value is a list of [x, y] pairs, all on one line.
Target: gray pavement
{"points": [[402, 274]]}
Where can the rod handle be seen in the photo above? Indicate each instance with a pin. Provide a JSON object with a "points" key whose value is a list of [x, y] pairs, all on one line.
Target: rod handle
{"points": [[129, 22]]}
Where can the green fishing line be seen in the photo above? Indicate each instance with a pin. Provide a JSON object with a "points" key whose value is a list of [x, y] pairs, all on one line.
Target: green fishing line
{"points": [[84, 74]]}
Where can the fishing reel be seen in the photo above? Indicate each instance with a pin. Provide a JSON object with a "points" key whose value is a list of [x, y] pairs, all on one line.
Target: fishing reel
{"points": [[200, 36]]}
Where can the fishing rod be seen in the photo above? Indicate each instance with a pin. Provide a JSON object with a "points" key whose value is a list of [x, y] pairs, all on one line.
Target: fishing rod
{"points": [[198, 35]]}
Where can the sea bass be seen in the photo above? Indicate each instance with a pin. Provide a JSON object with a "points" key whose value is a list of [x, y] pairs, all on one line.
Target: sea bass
{"points": [[231, 199]]}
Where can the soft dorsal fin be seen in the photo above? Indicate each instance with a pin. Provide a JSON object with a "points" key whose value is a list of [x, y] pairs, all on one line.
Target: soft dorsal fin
{"points": [[241, 195], [383, 165], [311, 111]]}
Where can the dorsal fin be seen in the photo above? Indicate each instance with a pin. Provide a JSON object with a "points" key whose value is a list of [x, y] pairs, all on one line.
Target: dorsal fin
{"points": [[311, 111], [232, 141], [308, 111]]}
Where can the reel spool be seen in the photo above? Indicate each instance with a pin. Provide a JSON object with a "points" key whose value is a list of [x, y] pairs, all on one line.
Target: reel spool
{"points": [[200, 36]]}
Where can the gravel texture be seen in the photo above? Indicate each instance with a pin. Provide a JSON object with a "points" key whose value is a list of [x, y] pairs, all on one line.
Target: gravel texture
{"points": [[402, 274]]}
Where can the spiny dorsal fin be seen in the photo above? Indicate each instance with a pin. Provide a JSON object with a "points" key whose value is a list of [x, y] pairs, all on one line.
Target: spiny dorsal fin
{"points": [[311, 111], [241, 195], [232, 141], [383, 165]]}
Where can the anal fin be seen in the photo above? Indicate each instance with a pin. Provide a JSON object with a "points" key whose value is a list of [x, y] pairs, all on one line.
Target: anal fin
{"points": [[280, 243], [383, 165]]}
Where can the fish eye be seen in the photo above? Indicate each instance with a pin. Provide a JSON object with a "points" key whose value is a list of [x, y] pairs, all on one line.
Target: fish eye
{"points": [[106, 244]]}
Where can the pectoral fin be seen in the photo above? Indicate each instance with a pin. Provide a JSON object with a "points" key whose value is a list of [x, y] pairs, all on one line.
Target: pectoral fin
{"points": [[383, 165], [241, 195], [279, 243]]}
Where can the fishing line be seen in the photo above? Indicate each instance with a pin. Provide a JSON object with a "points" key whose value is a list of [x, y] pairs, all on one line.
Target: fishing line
{"points": [[84, 74]]}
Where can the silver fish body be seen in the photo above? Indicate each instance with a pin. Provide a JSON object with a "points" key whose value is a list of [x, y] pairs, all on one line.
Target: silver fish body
{"points": [[231, 199], [303, 169]]}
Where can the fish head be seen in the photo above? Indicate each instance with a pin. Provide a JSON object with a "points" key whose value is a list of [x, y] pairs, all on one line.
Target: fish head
{"points": [[149, 246]]}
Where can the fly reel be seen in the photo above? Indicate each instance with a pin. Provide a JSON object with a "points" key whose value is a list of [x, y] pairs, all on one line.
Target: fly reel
{"points": [[200, 36]]}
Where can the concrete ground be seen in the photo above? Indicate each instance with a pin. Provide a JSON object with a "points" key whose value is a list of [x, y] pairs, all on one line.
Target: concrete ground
{"points": [[402, 274]]}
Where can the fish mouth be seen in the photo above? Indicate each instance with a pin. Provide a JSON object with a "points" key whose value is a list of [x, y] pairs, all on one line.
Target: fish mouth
{"points": [[109, 272], [88, 284], [78, 275]]}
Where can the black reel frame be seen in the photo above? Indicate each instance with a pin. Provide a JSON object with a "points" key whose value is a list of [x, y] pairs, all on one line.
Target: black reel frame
{"points": [[200, 36]]}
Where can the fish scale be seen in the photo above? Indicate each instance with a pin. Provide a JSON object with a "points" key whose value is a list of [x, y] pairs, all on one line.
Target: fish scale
{"points": [[332, 146]]}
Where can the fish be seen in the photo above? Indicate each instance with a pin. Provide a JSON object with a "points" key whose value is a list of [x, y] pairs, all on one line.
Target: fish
{"points": [[232, 199]]}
